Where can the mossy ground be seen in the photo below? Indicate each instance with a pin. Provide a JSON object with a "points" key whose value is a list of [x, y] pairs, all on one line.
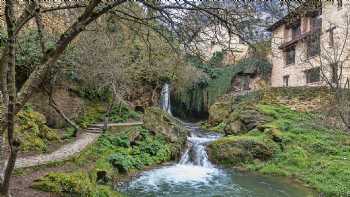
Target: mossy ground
{"points": [[302, 147], [114, 156]]}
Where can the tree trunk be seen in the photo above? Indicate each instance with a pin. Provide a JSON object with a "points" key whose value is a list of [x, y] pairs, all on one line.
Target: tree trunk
{"points": [[11, 87], [69, 121]]}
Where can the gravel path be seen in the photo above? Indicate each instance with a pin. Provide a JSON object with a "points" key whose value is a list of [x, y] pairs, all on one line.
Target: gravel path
{"points": [[68, 150]]}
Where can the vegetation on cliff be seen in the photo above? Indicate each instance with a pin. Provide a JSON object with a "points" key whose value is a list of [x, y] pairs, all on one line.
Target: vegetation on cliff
{"points": [[291, 141]]}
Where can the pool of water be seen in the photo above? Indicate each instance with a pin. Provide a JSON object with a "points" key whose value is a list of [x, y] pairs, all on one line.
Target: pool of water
{"points": [[197, 181]]}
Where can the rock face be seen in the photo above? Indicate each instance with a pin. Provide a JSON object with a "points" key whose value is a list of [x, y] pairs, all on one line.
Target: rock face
{"points": [[239, 150], [159, 122], [70, 104]]}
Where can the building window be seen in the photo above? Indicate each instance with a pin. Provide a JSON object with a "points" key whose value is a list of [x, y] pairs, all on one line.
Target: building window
{"points": [[290, 55], [334, 68], [285, 81], [316, 23], [340, 4], [313, 46], [296, 31], [240, 40], [331, 38], [313, 75]]}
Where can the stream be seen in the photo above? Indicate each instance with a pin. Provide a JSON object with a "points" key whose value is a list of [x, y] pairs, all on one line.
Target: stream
{"points": [[195, 176]]}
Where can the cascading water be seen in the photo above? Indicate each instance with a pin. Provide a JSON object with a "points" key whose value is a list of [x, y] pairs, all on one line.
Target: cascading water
{"points": [[195, 153], [165, 98], [195, 176]]}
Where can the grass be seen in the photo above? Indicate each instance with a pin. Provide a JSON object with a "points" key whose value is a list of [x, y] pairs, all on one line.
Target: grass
{"points": [[307, 150]]}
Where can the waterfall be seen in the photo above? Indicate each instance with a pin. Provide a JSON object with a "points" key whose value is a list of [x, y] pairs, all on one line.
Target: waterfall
{"points": [[165, 98], [195, 153]]}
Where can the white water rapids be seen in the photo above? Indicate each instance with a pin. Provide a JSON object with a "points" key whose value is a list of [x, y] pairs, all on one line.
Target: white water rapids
{"points": [[193, 168]]}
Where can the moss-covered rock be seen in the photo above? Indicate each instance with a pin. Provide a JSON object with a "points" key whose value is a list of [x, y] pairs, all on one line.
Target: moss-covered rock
{"points": [[33, 132], [218, 112], [245, 117], [237, 150]]}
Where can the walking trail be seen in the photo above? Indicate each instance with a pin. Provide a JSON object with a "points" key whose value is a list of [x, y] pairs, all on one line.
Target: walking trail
{"points": [[67, 151]]}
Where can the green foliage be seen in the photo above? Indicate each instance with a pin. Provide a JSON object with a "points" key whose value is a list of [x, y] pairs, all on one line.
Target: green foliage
{"points": [[123, 162], [216, 59], [3, 39], [69, 133], [219, 128], [253, 65], [204, 92], [209, 68], [150, 150], [93, 113], [29, 54], [95, 94], [33, 131], [73, 184], [121, 113]]}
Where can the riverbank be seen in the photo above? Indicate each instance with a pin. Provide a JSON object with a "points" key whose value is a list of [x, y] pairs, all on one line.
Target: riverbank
{"points": [[281, 138]]}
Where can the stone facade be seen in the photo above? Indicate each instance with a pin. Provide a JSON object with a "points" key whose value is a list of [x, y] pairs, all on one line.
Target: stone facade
{"points": [[216, 39], [302, 58]]}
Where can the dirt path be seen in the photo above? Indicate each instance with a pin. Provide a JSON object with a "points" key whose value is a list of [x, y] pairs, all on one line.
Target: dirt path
{"points": [[67, 151]]}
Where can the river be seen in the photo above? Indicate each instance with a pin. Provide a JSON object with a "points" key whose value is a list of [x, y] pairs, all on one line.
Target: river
{"points": [[195, 176]]}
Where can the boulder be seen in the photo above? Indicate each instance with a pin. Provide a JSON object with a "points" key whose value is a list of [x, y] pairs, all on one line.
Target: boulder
{"points": [[218, 112], [243, 121], [236, 150]]}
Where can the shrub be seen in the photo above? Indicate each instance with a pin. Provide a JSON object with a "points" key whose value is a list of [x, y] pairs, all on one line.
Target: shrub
{"points": [[124, 162], [33, 131], [73, 184], [76, 184]]}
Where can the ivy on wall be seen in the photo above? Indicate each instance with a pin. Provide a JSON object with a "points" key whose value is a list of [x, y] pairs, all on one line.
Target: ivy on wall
{"points": [[195, 100]]}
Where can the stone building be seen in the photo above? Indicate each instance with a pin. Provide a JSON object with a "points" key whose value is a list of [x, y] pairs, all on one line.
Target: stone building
{"points": [[311, 46], [215, 38]]}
